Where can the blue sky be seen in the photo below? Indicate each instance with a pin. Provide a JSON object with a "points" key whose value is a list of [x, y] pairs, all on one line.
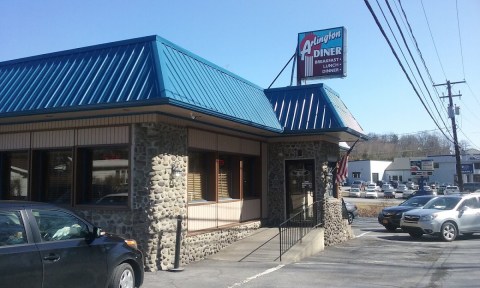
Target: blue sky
{"points": [[255, 39]]}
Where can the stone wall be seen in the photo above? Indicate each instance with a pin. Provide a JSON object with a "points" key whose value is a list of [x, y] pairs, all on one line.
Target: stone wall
{"points": [[320, 151], [158, 198], [199, 245], [337, 229]]}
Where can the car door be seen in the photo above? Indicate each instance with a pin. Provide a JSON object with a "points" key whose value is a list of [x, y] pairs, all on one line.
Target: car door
{"points": [[468, 215], [20, 264], [68, 259]]}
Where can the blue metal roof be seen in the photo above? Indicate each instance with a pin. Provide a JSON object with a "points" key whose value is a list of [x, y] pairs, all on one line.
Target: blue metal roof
{"points": [[312, 109], [136, 72]]}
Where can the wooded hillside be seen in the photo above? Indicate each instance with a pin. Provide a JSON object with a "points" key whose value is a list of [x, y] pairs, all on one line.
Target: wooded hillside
{"points": [[389, 146]]}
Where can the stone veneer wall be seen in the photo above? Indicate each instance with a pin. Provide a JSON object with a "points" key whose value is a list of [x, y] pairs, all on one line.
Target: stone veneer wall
{"points": [[277, 154], [337, 229], [158, 198], [199, 245]]}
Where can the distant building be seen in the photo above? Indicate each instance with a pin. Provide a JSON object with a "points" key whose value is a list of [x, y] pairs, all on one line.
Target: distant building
{"points": [[367, 170]]}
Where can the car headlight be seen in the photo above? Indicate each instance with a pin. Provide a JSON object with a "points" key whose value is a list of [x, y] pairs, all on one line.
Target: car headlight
{"points": [[428, 217]]}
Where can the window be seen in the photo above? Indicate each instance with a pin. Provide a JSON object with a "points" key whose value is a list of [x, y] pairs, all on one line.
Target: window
{"points": [[251, 171], [476, 165], [12, 231], [199, 179], [57, 225], [228, 177], [102, 176], [237, 176], [14, 175], [52, 176], [436, 165], [356, 175]]}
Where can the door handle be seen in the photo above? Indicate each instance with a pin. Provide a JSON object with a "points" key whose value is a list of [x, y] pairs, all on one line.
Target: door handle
{"points": [[52, 257]]}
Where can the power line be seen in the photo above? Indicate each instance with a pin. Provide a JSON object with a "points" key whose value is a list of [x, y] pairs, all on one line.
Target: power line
{"points": [[431, 35], [400, 63], [414, 62], [460, 38], [423, 60]]}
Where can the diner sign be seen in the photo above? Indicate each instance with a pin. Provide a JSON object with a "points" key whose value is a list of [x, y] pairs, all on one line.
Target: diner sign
{"points": [[321, 54]]}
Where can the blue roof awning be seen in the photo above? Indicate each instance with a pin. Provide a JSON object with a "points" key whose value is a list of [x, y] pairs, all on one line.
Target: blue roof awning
{"points": [[313, 109], [138, 72]]}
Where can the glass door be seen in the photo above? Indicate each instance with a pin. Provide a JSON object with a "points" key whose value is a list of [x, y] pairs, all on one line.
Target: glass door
{"points": [[299, 179]]}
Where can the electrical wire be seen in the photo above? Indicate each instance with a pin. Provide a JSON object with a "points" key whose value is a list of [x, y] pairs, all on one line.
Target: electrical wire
{"points": [[401, 65], [419, 52], [460, 38], [431, 35], [414, 62]]}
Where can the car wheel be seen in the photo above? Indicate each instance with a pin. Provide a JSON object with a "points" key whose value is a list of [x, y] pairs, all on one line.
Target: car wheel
{"points": [[122, 277], [350, 218], [390, 228], [449, 231], [415, 235]]}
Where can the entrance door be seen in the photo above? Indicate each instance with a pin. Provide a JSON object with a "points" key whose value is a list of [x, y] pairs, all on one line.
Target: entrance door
{"points": [[299, 179]]}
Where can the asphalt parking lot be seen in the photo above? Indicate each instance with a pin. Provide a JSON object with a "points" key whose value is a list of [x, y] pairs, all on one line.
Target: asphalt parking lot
{"points": [[375, 258]]}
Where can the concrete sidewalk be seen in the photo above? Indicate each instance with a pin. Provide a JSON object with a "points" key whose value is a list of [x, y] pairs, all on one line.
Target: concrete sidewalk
{"points": [[257, 252], [264, 246]]}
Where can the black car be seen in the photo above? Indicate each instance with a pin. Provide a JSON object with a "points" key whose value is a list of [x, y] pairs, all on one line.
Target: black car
{"points": [[390, 217], [42, 245]]}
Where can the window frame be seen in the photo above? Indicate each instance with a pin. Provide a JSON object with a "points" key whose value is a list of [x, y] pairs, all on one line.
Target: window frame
{"points": [[80, 177], [235, 165]]}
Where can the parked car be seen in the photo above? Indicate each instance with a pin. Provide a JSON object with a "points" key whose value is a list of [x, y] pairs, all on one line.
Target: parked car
{"points": [[408, 193], [445, 216], [373, 187], [451, 190], [371, 193], [42, 245], [394, 183], [355, 192], [360, 184], [388, 191], [352, 211], [423, 192], [390, 217], [401, 188]]}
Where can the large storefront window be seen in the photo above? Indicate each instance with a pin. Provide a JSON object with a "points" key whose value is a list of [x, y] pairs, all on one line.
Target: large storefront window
{"points": [[52, 176], [102, 176], [14, 169], [229, 176]]}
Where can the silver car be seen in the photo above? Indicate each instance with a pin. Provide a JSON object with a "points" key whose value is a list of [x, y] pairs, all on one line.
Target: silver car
{"points": [[444, 216]]}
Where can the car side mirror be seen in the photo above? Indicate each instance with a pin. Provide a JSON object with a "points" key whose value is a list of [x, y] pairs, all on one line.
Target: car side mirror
{"points": [[97, 232]]}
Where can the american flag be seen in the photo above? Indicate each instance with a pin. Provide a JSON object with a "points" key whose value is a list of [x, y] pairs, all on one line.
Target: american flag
{"points": [[342, 169]]}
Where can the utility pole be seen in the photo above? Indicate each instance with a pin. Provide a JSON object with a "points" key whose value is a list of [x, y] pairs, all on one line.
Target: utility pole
{"points": [[451, 115]]}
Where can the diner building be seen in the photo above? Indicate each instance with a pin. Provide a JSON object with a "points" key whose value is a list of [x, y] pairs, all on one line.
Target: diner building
{"points": [[138, 134]]}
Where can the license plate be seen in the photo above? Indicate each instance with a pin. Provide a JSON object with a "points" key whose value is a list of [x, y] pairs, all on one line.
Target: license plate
{"points": [[385, 221]]}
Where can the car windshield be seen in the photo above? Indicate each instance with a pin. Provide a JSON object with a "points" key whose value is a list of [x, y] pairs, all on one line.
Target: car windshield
{"points": [[443, 203], [416, 201]]}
